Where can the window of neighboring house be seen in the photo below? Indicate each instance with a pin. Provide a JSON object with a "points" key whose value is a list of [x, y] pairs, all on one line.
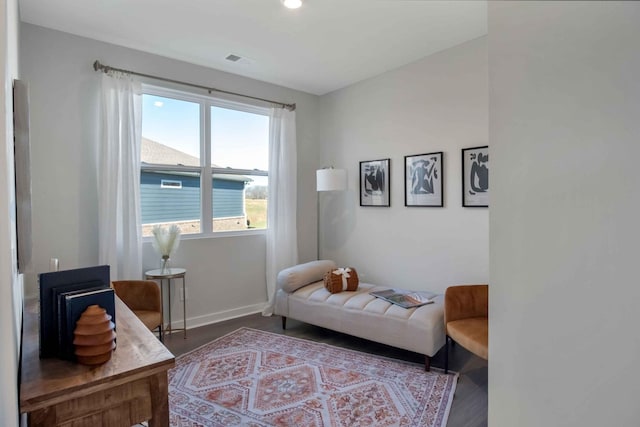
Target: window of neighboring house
{"points": [[169, 183], [179, 131]]}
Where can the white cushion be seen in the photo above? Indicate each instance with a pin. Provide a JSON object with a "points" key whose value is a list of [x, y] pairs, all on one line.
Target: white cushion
{"points": [[293, 278], [361, 314]]}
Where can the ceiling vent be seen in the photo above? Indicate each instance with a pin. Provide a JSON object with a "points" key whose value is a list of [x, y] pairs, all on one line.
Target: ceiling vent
{"points": [[233, 58], [239, 60]]}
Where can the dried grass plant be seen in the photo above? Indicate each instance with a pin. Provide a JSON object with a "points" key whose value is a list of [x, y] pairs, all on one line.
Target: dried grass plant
{"points": [[166, 242]]}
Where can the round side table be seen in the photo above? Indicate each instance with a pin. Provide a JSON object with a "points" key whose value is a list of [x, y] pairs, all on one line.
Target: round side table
{"points": [[168, 274]]}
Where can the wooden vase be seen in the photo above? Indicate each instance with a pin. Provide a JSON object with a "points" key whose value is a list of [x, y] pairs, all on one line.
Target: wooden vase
{"points": [[94, 336]]}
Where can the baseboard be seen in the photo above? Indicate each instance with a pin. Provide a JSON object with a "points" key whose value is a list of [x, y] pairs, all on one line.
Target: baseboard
{"points": [[194, 322]]}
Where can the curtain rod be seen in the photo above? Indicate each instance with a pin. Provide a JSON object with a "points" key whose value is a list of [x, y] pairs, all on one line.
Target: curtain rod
{"points": [[97, 66]]}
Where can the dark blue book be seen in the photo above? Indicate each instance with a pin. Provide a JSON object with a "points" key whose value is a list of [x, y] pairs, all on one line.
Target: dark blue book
{"points": [[51, 286], [61, 313], [73, 305]]}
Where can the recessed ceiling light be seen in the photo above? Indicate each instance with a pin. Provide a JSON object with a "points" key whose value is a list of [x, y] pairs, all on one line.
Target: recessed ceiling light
{"points": [[292, 4]]}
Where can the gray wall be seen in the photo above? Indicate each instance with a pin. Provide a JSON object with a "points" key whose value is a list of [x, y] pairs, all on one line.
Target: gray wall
{"points": [[225, 276], [436, 104], [10, 281], [563, 317]]}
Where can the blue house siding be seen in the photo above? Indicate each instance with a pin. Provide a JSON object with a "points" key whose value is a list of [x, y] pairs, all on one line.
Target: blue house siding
{"points": [[183, 204], [227, 198], [169, 204]]}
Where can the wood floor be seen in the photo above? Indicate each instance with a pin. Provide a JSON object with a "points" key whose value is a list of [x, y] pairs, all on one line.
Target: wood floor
{"points": [[469, 407]]}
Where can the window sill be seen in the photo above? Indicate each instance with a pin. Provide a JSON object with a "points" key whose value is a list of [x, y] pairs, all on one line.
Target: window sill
{"points": [[215, 235]]}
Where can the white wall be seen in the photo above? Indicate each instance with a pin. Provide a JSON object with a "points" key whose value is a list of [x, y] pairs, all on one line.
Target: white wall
{"points": [[564, 126], [225, 276], [436, 104], [10, 286]]}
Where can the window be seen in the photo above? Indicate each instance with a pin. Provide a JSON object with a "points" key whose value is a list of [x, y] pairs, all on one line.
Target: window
{"points": [[169, 183], [178, 186]]}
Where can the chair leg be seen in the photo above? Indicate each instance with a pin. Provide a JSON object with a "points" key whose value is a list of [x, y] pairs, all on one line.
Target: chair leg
{"points": [[446, 354], [160, 334], [284, 323], [427, 363]]}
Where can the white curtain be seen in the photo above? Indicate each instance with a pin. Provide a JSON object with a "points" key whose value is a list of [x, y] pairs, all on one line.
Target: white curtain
{"points": [[120, 234], [282, 238]]}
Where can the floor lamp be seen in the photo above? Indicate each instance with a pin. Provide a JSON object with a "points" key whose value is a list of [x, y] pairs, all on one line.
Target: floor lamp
{"points": [[328, 179]]}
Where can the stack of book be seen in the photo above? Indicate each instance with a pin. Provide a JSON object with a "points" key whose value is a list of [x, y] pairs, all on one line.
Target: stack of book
{"points": [[64, 296]]}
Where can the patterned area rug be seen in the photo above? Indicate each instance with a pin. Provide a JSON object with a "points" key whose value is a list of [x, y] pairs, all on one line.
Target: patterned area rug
{"points": [[259, 379]]}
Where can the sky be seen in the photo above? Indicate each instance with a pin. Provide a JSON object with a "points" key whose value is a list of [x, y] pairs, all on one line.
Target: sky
{"points": [[239, 139]]}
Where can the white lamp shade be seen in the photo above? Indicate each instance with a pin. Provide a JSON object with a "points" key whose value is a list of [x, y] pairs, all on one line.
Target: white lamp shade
{"points": [[331, 179]]}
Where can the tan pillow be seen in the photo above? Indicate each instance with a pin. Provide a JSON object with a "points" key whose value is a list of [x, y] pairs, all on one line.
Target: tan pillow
{"points": [[341, 279], [293, 278]]}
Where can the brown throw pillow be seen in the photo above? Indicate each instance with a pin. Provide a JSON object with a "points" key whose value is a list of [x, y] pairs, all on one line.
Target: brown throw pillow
{"points": [[341, 279]]}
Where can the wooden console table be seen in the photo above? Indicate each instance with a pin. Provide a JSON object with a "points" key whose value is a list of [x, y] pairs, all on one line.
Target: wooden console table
{"points": [[130, 388]]}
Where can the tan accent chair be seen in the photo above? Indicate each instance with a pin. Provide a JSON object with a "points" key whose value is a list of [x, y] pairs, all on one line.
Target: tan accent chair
{"points": [[143, 298], [466, 319]]}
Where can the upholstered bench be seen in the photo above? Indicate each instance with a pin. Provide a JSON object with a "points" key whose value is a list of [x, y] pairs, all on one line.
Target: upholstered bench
{"points": [[301, 295]]}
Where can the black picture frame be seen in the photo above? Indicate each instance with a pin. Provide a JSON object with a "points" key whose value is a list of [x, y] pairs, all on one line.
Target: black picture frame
{"points": [[475, 177], [375, 189], [424, 180]]}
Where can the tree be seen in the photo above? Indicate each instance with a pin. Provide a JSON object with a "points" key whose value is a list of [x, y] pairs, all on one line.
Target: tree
{"points": [[256, 192]]}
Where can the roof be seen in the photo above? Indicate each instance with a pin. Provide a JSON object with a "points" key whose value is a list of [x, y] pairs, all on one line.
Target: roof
{"points": [[153, 152]]}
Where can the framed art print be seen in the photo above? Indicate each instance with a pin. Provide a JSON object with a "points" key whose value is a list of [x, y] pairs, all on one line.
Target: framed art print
{"points": [[475, 177], [423, 180], [374, 183]]}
